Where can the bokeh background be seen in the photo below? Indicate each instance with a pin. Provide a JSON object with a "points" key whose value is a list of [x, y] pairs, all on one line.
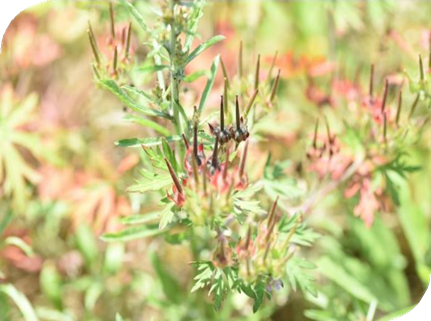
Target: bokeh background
{"points": [[63, 181]]}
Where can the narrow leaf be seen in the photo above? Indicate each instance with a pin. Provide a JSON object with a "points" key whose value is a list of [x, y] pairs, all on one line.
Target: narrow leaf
{"points": [[204, 46], [210, 83], [147, 142]]}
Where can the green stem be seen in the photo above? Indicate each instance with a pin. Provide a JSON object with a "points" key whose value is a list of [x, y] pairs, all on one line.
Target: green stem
{"points": [[175, 82]]}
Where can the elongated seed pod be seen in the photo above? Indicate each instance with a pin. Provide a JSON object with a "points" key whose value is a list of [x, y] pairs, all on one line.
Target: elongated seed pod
{"points": [[243, 159], [385, 95], [237, 114], [400, 100], [174, 177], [111, 15], [316, 128], [256, 77], [271, 213], [275, 86]]}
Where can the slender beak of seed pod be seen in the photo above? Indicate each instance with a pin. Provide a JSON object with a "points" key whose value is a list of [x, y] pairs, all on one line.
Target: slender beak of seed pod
{"points": [[111, 15], [385, 95], [250, 103], [421, 68], [400, 101], [195, 143], [237, 114], [414, 105], [129, 36], [271, 213], [115, 63], [212, 129], [316, 128], [93, 44], [243, 159], [275, 86], [174, 177], [256, 77], [186, 142], [214, 157], [247, 239], [328, 131], [221, 114]]}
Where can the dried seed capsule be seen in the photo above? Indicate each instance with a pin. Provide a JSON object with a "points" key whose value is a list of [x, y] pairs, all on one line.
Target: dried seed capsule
{"points": [[240, 133], [213, 165], [224, 135]]}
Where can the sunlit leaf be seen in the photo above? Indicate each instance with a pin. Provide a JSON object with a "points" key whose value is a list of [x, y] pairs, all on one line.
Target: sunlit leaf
{"points": [[204, 46]]}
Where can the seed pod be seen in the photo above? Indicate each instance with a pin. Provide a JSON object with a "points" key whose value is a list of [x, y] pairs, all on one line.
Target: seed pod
{"points": [[195, 144], [111, 15], [93, 43], [316, 128], [174, 177], [414, 105], [385, 95], [274, 59], [115, 63], [214, 164], [271, 213], [242, 163], [240, 133], [129, 36], [224, 136], [256, 77], [250, 103], [275, 86], [400, 100], [421, 68], [186, 142]]}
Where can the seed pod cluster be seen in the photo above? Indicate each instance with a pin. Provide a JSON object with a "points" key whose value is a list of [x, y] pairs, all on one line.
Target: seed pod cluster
{"points": [[238, 131]]}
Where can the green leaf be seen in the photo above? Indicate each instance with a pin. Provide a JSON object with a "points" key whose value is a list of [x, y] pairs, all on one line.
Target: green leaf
{"points": [[396, 314], [130, 233], [140, 218], [296, 271], [348, 282], [146, 123], [155, 183], [86, 244], [113, 258], [21, 301], [210, 83], [166, 216], [259, 289], [112, 86], [136, 14], [118, 317], [50, 282], [170, 155], [204, 46], [193, 21], [5, 220], [171, 288], [146, 142], [153, 68], [19, 243], [192, 77], [138, 92]]}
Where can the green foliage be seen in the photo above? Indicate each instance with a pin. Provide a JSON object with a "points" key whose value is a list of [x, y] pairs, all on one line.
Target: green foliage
{"points": [[15, 171]]}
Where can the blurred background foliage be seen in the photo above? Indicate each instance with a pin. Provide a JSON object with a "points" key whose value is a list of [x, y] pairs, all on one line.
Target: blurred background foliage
{"points": [[63, 182]]}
